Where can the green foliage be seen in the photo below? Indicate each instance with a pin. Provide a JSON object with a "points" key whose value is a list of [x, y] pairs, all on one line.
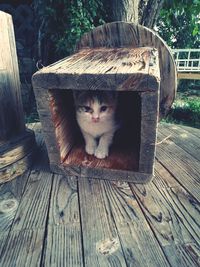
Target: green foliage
{"points": [[186, 110], [179, 23], [64, 21]]}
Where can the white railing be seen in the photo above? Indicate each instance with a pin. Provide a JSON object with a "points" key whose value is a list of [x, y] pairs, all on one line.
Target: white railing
{"points": [[187, 60]]}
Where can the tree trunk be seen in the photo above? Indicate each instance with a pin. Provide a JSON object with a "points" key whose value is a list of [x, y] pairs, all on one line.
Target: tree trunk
{"points": [[125, 10], [144, 12], [149, 12]]}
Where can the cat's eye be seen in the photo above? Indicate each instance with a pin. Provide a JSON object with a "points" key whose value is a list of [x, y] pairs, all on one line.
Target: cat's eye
{"points": [[103, 108], [87, 109]]}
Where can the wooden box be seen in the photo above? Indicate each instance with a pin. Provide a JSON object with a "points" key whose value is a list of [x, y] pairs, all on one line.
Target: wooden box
{"points": [[135, 74]]}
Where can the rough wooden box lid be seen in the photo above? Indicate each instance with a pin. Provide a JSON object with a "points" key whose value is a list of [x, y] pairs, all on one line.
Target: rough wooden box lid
{"points": [[121, 69]]}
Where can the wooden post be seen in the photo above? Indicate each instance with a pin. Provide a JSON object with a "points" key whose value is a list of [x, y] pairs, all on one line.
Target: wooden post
{"points": [[16, 143]]}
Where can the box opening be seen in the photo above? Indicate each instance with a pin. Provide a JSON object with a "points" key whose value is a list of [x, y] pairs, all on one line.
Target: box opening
{"points": [[125, 150]]}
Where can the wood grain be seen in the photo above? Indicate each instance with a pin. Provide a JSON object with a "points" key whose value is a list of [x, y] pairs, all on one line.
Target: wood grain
{"points": [[102, 223], [46, 119], [11, 110], [181, 137], [12, 192], [173, 215], [64, 229], [101, 243], [192, 130], [115, 200], [96, 69], [133, 228], [23, 248], [23, 220], [17, 145], [33, 208], [148, 132], [182, 165], [28, 228]]}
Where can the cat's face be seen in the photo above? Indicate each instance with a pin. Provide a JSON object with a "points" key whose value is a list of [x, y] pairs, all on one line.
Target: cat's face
{"points": [[95, 107]]}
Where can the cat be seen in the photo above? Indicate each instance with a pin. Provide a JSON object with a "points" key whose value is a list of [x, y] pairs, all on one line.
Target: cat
{"points": [[96, 117]]}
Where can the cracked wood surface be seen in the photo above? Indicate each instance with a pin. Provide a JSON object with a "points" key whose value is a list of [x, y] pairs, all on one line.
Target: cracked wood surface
{"points": [[118, 69], [51, 220]]}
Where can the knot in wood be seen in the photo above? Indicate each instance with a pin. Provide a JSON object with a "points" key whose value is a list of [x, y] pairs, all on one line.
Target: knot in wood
{"points": [[8, 205], [107, 246]]}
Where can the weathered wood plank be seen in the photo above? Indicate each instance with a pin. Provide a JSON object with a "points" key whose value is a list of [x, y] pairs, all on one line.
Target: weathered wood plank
{"points": [[11, 109], [63, 247], [148, 133], [182, 165], [17, 145], [43, 98], [173, 215], [137, 70], [191, 130], [63, 240], [23, 248], [12, 192], [106, 205], [158, 225], [10, 195], [28, 227], [101, 243], [33, 208], [134, 232], [184, 139]]}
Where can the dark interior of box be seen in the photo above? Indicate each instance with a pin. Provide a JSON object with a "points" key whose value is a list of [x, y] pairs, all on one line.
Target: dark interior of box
{"points": [[124, 152]]}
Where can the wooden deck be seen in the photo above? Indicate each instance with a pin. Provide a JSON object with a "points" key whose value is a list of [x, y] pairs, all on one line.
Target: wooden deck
{"points": [[50, 220]]}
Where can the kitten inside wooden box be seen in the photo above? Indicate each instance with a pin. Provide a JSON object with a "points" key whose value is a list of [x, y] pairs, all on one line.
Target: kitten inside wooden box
{"points": [[97, 119]]}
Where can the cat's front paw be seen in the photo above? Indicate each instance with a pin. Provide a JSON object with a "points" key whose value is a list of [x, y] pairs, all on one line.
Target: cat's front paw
{"points": [[90, 149], [101, 153]]}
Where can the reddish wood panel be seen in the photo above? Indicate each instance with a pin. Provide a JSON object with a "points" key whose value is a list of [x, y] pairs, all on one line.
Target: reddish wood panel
{"points": [[119, 159]]}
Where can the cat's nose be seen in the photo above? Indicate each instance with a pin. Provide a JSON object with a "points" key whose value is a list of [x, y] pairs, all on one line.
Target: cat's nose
{"points": [[95, 119]]}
